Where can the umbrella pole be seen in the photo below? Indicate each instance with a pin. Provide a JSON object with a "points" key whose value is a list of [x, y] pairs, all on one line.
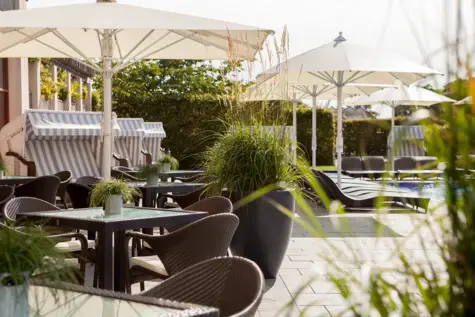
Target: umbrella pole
{"points": [[107, 111], [314, 127], [339, 128], [392, 138], [294, 123]]}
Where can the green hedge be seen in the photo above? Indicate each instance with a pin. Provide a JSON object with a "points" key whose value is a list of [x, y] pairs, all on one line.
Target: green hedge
{"points": [[325, 134], [367, 136]]}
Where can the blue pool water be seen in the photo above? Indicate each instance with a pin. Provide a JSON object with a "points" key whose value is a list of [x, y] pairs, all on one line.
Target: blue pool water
{"points": [[425, 189]]}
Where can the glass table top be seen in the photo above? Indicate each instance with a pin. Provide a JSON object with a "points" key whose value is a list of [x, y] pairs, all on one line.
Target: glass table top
{"points": [[165, 184], [73, 304], [16, 177], [97, 214]]}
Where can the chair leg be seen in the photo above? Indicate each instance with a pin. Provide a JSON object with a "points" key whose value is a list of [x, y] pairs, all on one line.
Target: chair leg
{"points": [[142, 286]]}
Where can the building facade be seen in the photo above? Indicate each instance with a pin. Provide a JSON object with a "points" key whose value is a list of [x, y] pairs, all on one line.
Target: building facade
{"points": [[20, 81]]}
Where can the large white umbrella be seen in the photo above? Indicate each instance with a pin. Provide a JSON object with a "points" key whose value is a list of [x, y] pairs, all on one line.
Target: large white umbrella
{"points": [[341, 63], [108, 37], [303, 92], [399, 96]]}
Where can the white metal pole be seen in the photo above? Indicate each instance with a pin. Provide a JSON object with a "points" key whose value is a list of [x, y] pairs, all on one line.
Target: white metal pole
{"points": [[339, 128], [294, 123], [393, 138], [107, 111], [314, 127]]}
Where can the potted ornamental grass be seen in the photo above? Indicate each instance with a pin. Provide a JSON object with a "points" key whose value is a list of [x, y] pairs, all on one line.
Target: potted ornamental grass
{"points": [[3, 169], [150, 172], [112, 194], [256, 169], [27, 254], [167, 163]]}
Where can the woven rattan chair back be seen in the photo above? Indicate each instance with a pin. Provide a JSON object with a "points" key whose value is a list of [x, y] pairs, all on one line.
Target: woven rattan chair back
{"points": [[232, 284], [44, 188], [26, 204]]}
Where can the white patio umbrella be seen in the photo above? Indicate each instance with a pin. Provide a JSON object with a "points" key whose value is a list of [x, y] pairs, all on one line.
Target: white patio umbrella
{"points": [[399, 96], [466, 100], [341, 63], [108, 37], [302, 92]]}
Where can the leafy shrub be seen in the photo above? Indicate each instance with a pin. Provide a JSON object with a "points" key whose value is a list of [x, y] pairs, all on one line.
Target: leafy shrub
{"points": [[367, 136]]}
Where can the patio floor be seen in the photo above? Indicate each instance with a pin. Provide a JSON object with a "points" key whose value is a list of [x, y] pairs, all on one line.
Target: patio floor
{"points": [[369, 239]]}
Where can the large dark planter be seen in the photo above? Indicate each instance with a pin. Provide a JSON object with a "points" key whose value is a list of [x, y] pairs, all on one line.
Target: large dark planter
{"points": [[264, 232]]}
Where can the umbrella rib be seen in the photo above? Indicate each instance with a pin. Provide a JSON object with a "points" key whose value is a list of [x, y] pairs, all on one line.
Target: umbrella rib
{"points": [[9, 30], [122, 66], [118, 46], [140, 42], [30, 38], [207, 43], [71, 45], [323, 77], [254, 46], [353, 79], [99, 34]]}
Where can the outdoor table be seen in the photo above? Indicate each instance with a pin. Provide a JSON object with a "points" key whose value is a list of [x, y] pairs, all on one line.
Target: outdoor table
{"points": [[111, 228], [48, 300], [180, 173], [150, 192], [15, 180]]}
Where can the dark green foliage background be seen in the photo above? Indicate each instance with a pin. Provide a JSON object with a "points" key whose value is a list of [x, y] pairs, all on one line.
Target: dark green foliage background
{"points": [[367, 136]]}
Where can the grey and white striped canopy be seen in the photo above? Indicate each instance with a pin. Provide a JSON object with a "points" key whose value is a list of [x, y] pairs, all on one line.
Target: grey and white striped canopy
{"points": [[131, 127], [43, 124], [154, 133], [409, 140], [154, 129], [129, 143]]}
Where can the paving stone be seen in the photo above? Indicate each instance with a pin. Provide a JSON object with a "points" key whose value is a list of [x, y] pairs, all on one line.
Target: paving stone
{"points": [[320, 299], [289, 272], [319, 311]]}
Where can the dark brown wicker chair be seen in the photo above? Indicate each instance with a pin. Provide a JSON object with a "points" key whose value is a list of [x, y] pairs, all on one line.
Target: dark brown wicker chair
{"points": [[351, 163], [6, 194], [373, 163], [124, 169], [87, 180], [122, 161], [78, 248], [79, 195], [232, 284], [65, 177], [44, 188], [183, 200], [212, 205], [201, 240], [60, 240]]}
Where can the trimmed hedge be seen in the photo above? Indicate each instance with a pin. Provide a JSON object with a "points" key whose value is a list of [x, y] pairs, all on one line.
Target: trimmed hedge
{"points": [[367, 137], [326, 132]]}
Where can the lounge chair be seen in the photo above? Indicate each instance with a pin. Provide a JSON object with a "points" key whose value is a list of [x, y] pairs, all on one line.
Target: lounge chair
{"points": [[404, 163], [373, 163], [367, 198], [351, 163]]}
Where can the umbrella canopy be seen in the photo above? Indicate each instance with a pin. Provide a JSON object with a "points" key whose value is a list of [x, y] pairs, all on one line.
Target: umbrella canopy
{"points": [[466, 100], [108, 37], [398, 96], [265, 91], [341, 63]]}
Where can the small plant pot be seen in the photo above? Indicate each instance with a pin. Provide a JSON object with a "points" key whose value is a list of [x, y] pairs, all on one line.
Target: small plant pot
{"points": [[13, 298], [2, 174], [113, 205], [152, 179], [165, 168]]}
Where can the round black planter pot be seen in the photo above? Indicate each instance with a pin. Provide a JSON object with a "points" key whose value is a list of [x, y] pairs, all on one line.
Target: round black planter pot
{"points": [[264, 232]]}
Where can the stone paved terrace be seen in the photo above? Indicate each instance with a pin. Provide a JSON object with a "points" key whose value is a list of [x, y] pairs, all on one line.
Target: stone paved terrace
{"points": [[368, 239]]}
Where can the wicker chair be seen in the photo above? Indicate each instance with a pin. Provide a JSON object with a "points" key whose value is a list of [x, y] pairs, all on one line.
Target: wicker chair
{"points": [[78, 257], [123, 169], [183, 200], [44, 188], [79, 196], [78, 248], [190, 179], [87, 180], [65, 177], [201, 240], [232, 284], [6, 194]]}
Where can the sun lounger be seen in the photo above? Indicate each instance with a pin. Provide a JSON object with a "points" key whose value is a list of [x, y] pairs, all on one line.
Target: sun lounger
{"points": [[351, 163], [367, 197], [373, 163]]}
